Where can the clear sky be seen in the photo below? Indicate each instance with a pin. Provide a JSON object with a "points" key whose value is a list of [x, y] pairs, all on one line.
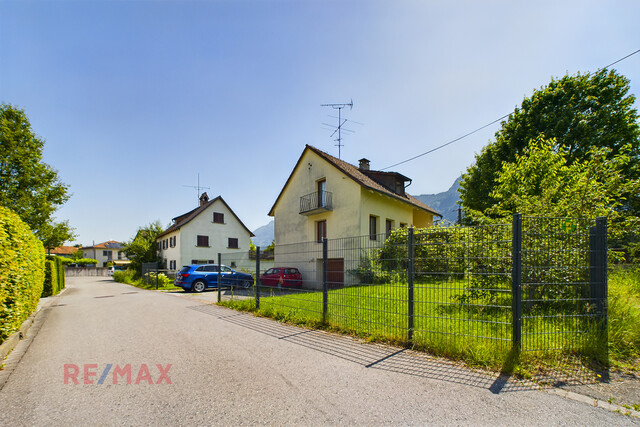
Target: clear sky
{"points": [[136, 98]]}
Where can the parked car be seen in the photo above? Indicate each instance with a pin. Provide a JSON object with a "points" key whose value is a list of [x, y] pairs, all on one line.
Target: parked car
{"points": [[198, 277], [286, 277]]}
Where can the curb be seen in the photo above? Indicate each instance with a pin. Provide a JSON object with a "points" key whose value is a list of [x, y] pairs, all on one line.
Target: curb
{"points": [[14, 339], [612, 407]]}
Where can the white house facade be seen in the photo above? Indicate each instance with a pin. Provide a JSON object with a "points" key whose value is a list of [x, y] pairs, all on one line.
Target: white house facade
{"points": [[105, 253], [197, 236]]}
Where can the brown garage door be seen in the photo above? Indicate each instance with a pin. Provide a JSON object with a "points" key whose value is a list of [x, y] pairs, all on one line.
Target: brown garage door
{"points": [[335, 273]]}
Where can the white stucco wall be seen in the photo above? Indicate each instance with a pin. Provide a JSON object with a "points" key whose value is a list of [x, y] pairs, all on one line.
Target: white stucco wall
{"points": [[186, 248]]}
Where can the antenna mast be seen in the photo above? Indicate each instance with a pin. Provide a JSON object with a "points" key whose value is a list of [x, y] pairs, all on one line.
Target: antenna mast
{"points": [[198, 188], [339, 107]]}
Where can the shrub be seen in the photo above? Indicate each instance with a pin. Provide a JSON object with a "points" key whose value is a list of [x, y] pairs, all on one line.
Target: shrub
{"points": [[54, 276], [50, 285], [21, 272]]}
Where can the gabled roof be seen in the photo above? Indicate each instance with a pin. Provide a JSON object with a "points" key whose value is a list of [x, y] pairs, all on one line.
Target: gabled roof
{"points": [[63, 250], [185, 218], [111, 244], [360, 178]]}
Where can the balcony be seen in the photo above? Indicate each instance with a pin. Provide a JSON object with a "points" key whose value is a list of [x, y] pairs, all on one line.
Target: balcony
{"points": [[316, 202]]}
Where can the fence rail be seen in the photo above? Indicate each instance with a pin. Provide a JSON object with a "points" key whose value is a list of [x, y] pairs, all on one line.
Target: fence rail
{"points": [[537, 285]]}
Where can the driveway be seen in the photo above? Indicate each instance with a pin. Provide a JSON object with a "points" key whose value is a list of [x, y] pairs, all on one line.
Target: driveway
{"points": [[197, 364]]}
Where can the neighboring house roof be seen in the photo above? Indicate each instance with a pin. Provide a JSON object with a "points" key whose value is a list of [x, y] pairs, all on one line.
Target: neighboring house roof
{"points": [[183, 219], [360, 178], [111, 244], [63, 250]]}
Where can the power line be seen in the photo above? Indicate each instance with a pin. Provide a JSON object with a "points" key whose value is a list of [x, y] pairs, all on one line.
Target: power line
{"points": [[487, 125]]}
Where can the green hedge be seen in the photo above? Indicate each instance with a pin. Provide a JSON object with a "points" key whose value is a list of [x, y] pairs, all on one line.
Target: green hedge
{"points": [[54, 276], [21, 272]]}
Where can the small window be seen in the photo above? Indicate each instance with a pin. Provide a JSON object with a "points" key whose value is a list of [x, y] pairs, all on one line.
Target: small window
{"points": [[321, 230], [373, 227], [105, 253], [202, 241], [218, 217], [233, 264], [233, 243]]}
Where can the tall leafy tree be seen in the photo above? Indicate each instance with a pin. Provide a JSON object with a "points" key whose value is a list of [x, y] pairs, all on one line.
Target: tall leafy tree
{"points": [[542, 180], [28, 186], [142, 248], [579, 113]]}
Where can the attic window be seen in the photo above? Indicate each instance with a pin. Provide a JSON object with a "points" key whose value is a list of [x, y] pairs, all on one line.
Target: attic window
{"points": [[233, 243], [218, 217]]}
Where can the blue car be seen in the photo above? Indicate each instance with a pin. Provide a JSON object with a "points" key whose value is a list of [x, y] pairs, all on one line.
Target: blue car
{"points": [[198, 277]]}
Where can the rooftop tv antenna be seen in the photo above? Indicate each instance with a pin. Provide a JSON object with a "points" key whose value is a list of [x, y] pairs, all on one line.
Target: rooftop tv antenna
{"points": [[198, 188], [341, 122]]}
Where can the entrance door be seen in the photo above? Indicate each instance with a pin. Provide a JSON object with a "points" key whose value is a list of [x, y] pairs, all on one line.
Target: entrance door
{"points": [[335, 273]]}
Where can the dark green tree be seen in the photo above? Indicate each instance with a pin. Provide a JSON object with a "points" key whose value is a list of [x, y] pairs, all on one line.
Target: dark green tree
{"points": [[29, 187], [579, 112], [143, 248]]}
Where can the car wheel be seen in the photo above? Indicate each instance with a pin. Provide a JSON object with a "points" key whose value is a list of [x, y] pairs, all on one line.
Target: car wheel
{"points": [[247, 284], [198, 286]]}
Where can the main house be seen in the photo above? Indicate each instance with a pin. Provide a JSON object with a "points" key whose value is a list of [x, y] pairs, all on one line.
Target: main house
{"points": [[197, 236], [328, 197], [105, 253]]}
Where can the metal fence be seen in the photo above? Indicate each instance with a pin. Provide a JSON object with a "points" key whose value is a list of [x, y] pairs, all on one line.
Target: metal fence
{"points": [[537, 284]]}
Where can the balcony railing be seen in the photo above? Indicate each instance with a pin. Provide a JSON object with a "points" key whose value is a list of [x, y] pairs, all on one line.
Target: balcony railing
{"points": [[316, 202]]}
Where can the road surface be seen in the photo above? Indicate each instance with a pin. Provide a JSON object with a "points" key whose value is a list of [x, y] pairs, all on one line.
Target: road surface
{"points": [[193, 363]]}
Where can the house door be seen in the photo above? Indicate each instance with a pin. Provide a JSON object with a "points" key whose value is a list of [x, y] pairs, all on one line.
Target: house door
{"points": [[335, 273], [322, 193]]}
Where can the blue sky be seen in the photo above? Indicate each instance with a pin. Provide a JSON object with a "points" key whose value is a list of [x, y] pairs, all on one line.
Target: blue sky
{"points": [[136, 98]]}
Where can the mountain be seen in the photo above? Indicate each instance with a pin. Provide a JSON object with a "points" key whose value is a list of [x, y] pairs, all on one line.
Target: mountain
{"points": [[264, 235], [445, 202]]}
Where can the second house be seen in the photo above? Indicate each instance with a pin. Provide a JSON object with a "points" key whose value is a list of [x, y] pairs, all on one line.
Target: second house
{"points": [[197, 236]]}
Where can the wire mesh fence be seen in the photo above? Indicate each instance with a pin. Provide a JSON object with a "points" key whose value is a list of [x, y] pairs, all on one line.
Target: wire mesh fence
{"points": [[537, 284]]}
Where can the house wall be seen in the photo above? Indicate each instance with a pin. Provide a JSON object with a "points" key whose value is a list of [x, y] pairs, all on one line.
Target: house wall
{"points": [[186, 249], [292, 227], [385, 207], [98, 253], [172, 254]]}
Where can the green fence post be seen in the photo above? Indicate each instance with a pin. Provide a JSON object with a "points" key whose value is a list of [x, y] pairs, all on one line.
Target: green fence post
{"points": [[325, 275], [219, 274], [516, 281], [257, 278], [410, 274]]}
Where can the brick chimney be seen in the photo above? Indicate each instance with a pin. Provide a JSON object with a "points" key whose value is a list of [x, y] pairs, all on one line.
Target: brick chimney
{"points": [[364, 164], [204, 199]]}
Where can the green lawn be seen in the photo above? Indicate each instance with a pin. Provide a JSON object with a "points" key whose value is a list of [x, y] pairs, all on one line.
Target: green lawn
{"points": [[480, 333]]}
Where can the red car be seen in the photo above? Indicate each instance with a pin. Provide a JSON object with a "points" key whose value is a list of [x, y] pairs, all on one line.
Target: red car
{"points": [[286, 277]]}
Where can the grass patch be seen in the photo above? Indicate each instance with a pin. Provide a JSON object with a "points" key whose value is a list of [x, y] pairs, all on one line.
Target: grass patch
{"points": [[130, 278], [624, 318], [479, 334]]}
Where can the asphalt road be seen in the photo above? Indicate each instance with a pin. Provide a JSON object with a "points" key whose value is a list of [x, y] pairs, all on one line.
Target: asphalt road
{"points": [[234, 369]]}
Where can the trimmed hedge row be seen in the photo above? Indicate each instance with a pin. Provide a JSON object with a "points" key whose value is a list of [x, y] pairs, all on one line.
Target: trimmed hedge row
{"points": [[53, 276], [21, 272]]}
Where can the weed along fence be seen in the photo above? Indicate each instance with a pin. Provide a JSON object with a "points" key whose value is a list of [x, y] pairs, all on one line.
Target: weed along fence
{"points": [[536, 285]]}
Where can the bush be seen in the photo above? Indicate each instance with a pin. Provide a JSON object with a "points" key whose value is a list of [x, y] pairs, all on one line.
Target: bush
{"points": [[50, 285], [21, 272], [54, 276]]}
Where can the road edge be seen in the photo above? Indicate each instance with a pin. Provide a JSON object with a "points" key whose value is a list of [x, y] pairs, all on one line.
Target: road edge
{"points": [[7, 354]]}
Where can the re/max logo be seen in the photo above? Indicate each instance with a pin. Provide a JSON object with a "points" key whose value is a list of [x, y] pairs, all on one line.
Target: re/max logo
{"points": [[89, 372]]}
